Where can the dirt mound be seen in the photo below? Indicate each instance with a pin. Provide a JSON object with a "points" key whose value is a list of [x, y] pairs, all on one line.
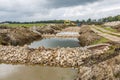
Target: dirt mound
{"points": [[87, 36], [17, 36], [4, 27], [114, 25], [23, 35], [117, 27], [50, 29], [4, 39], [104, 66], [45, 30]]}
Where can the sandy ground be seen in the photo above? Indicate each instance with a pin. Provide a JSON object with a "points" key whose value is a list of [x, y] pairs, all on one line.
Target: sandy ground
{"points": [[71, 29], [106, 31], [106, 35]]}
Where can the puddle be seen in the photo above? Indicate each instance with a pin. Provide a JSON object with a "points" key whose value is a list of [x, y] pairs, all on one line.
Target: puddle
{"points": [[22, 72]]}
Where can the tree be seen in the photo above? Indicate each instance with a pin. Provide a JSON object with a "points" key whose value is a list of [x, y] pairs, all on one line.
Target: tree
{"points": [[89, 20]]}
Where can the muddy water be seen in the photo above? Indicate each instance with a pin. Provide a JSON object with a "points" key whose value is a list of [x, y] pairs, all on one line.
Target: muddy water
{"points": [[25, 72], [56, 42], [22, 72]]}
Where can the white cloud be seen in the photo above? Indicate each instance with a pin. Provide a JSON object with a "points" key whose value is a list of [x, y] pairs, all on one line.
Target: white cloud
{"points": [[32, 10]]}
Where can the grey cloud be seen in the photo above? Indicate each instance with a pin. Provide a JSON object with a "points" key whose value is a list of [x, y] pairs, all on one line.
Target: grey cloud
{"points": [[31, 10], [68, 3]]}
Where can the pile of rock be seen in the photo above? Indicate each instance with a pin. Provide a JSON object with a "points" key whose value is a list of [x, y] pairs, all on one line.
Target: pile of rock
{"points": [[65, 57], [10, 54]]}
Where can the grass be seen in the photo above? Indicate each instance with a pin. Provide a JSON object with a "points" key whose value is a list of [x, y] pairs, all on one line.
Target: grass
{"points": [[21, 25], [109, 29], [102, 40]]}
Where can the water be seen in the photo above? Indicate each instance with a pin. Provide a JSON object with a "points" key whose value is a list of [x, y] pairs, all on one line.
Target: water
{"points": [[68, 33], [25, 72], [56, 42], [22, 72]]}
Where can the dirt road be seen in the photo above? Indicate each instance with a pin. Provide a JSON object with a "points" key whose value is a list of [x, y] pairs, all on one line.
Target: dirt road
{"points": [[106, 31], [105, 34]]}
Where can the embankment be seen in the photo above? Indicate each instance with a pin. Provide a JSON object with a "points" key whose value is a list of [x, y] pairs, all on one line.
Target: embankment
{"points": [[49, 29], [24, 35], [17, 36], [87, 36], [101, 66]]}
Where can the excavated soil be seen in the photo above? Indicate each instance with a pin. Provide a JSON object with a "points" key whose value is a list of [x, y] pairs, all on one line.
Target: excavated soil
{"points": [[87, 36], [114, 25], [17, 36], [117, 27], [24, 35], [101, 66]]}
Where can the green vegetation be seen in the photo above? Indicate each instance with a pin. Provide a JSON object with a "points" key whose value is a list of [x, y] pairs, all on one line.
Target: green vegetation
{"points": [[108, 28], [101, 40], [88, 21], [23, 25], [35, 22], [111, 18], [100, 21]]}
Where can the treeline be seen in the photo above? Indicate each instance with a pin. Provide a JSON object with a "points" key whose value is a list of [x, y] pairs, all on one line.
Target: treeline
{"points": [[34, 22], [88, 21], [100, 21], [110, 18]]}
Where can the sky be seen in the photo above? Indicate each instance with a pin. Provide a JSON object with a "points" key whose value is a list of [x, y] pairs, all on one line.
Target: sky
{"points": [[36, 10]]}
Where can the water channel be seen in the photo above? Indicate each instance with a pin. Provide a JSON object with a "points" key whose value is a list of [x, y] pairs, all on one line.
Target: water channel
{"points": [[56, 42], [33, 72]]}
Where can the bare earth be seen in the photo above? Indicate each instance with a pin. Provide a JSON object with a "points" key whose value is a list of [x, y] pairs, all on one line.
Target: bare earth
{"points": [[70, 32], [106, 31], [71, 29], [106, 35]]}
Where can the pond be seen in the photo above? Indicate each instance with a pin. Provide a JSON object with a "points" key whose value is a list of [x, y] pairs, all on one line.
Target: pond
{"points": [[56, 42], [35, 72], [30, 72]]}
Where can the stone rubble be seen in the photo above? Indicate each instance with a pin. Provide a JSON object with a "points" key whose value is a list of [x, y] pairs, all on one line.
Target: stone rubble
{"points": [[64, 57]]}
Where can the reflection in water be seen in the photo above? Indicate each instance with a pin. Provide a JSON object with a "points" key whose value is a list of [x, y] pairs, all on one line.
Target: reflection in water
{"points": [[56, 42], [22, 72]]}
